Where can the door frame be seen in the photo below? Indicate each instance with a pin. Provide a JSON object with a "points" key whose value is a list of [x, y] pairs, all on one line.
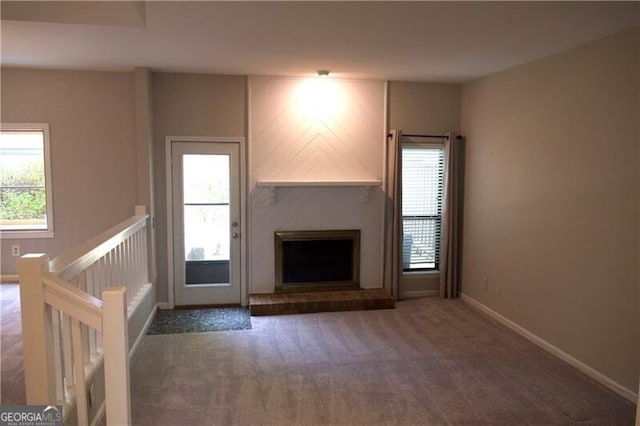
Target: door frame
{"points": [[243, 212]]}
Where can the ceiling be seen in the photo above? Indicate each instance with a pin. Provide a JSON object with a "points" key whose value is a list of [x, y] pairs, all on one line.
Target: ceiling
{"points": [[410, 41]]}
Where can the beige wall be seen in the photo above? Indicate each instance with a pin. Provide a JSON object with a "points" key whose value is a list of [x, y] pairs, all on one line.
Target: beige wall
{"points": [[551, 201], [93, 152], [423, 108], [189, 105]]}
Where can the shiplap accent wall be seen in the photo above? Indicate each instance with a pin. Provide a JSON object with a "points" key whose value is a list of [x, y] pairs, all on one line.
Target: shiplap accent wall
{"points": [[340, 141]]}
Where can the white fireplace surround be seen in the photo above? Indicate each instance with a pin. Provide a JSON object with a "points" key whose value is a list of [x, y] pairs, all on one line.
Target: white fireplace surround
{"points": [[316, 208], [364, 185]]}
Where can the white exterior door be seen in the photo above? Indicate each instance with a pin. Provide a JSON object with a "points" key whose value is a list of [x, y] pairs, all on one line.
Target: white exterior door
{"points": [[206, 222]]}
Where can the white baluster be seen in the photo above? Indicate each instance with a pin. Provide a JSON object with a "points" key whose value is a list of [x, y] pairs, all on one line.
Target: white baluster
{"points": [[109, 279], [118, 266], [135, 264], [91, 289], [86, 349], [67, 353], [145, 256], [142, 255], [127, 259], [82, 281], [56, 325], [102, 278], [78, 373]]}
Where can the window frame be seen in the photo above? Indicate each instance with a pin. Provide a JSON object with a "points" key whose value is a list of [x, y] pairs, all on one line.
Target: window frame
{"points": [[35, 233], [436, 268]]}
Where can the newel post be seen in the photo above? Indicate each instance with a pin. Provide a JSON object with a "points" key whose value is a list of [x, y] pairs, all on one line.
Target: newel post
{"points": [[115, 338], [37, 334]]}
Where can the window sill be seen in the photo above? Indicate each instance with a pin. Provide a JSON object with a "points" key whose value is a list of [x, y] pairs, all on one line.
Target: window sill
{"points": [[420, 274], [16, 235]]}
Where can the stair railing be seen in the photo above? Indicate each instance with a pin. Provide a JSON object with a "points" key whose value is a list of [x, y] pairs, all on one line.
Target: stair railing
{"points": [[75, 322]]}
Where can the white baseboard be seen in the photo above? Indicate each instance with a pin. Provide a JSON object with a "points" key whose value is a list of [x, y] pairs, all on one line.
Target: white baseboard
{"points": [[146, 325], [165, 305], [554, 350], [420, 293]]}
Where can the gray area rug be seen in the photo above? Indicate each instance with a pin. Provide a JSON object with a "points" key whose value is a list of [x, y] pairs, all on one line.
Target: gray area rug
{"points": [[200, 320]]}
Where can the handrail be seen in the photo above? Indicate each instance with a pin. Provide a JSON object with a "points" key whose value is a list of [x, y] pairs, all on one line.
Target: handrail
{"points": [[82, 256], [65, 297]]}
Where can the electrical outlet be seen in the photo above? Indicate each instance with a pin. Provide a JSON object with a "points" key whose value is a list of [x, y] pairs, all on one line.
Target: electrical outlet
{"points": [[15, 251], [485, 283]]}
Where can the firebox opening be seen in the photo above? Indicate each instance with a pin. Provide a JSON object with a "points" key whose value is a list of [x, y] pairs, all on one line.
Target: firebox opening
{"points": [[317, 260]]}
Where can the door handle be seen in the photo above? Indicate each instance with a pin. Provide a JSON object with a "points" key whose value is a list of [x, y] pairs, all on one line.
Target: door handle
{"points": [[235, 235]]}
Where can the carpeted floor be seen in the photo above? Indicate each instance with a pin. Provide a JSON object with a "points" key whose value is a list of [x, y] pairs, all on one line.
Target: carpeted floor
{"points": [[174, 321], [11, 370], [427, 362]]}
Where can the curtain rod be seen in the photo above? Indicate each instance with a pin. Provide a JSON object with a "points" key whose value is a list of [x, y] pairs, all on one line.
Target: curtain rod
{"points": [[426, 136]]}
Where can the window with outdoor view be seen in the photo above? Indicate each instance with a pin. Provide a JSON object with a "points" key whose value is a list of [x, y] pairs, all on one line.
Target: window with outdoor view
{"points": [[422, 191], [25, 181]]}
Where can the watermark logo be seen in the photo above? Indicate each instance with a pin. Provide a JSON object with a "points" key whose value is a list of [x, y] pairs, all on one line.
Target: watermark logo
{"points": [[31, 415]]}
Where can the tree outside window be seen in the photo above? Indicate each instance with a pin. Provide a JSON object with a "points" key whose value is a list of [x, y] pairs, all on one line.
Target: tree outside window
{"points": [[25, 200]]}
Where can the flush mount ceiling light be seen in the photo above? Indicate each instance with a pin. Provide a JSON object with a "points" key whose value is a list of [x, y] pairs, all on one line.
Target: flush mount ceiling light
{"points": [[319, 98]]}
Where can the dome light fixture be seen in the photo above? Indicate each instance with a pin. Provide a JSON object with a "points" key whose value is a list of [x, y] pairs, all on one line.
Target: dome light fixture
{"points": [[323, 73]]}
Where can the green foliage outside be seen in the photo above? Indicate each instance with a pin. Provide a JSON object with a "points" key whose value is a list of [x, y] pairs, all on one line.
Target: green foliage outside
{"points": [[22, 192]]}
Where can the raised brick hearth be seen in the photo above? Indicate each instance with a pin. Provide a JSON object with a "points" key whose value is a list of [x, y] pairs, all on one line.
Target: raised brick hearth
{"points": [[323, 301]]}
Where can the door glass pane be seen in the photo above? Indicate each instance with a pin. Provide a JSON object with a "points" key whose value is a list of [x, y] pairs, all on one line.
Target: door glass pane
{"points": [[206, 218]]}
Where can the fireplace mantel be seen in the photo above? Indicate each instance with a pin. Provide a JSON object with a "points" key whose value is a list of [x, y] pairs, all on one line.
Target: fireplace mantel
{"points": [[364, 185]]}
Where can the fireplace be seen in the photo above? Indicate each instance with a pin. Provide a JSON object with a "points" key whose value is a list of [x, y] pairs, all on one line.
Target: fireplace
{"points": [[317, 260]]}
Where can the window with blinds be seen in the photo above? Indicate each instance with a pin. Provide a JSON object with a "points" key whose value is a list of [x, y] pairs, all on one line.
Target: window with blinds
{"points": [[422, 190]]}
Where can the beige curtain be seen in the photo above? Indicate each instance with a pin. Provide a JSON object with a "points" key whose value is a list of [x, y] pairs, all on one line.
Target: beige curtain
{"points": [[449, 240], [393, 214]]}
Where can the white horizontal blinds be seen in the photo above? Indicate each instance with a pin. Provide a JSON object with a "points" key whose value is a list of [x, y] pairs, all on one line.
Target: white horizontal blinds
{"points": [[422, 187]]}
